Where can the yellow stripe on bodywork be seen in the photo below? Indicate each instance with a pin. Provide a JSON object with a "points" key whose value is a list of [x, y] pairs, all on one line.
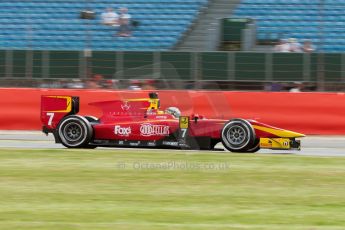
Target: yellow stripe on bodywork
{"points": [[137, 99], [279, 132], [153, 102], [68, 102]]}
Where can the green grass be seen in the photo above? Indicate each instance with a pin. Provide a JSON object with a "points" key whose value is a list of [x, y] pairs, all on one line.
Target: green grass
{"points": [[106, 189]]}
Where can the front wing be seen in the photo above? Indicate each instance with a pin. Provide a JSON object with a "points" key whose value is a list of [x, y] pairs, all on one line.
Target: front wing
{"points": [[280, 143]]}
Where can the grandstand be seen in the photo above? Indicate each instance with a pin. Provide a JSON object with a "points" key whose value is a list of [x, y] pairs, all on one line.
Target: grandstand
{"points": [[56, 25], [321, 21]]}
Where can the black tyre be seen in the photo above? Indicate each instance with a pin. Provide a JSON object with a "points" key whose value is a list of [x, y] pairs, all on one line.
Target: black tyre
{"points": [[75, 131], [238, 135], [255, 147], [91, 119]]}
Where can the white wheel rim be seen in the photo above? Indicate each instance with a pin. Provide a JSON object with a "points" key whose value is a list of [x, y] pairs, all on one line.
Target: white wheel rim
{"points": [[236, 135], [239, 142], [72, 132]]}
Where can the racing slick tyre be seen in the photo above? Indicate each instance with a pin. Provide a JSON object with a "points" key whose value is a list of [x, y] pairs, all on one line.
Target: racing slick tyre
{"points": [[255, 147], [91, 118], [238, 135], [75, 132]]}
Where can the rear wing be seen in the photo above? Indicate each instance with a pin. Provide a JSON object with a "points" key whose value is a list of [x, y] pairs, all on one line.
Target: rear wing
{"points": [[54, 108]]}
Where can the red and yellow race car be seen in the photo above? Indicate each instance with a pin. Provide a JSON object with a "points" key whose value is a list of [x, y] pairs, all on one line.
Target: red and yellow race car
{"points": [[141, 123]]}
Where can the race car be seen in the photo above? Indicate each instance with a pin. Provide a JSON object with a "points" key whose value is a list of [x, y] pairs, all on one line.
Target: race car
{"points": [[141, 123]]}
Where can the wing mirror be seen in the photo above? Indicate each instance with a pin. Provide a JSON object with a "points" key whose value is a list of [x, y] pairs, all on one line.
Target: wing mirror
{"points": [[196, 117]]}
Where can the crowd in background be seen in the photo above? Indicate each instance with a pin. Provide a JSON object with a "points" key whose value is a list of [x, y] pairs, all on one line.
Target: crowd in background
{"points": [[120, 21], [98, 82], [292, 45]]}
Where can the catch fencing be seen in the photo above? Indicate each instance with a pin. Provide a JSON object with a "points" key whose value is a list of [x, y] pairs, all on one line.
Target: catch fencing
{"points": [[322, 71]]}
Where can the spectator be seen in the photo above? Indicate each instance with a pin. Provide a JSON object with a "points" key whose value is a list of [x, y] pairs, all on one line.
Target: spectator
{"points": [[298, 87], [125, 23], [294, 45], [273, 87], [110, 84], [75, 84], [308, 47], [109, 17], [135, 85], [95, 82], [282, 46], [149, 85]]}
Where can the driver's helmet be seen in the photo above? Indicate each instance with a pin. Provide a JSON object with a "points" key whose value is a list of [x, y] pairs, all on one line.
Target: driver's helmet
{"points": [[173, 111]]}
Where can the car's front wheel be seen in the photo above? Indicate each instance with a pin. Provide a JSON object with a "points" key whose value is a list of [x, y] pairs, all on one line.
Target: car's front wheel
{"points": [[75, 131], [238, 135], [255, 147]]}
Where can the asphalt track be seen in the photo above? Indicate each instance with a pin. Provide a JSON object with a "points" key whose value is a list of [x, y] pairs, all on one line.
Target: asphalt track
{"points": [[311, 145]]}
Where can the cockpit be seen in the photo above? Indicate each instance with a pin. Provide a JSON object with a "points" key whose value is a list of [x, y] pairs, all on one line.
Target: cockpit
{"points": [[175, 112]]}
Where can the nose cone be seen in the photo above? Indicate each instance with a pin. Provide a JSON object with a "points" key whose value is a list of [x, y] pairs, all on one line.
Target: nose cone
{"points": [[270, 131], [290, 134]]}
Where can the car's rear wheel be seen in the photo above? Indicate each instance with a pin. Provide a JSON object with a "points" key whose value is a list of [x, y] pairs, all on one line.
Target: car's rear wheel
{"points": [[91, 118], [75, 132], [238, 135]]}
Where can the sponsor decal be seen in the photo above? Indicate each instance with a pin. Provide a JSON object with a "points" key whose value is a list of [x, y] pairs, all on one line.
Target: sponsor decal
{"points": [[122, 131], [151, 143], [125, 106], [171, 143], [121, 142], [161, 117], [151, 112], [148, 129], [134, 143], [184, 122], [267, 145]]}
